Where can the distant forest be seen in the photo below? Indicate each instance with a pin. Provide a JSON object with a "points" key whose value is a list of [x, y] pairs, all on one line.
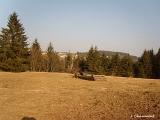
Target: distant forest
{"points": [[111, 53], [16, 56]]}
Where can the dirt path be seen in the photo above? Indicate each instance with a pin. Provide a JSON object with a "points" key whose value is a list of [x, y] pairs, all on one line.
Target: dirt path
{"points": [[58, 96]]}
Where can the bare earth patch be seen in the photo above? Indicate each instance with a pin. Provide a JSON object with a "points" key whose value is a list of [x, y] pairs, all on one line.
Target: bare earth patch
{"points": [[58, 96]]}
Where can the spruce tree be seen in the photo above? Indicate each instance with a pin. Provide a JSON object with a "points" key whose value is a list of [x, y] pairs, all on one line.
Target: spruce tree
{"points": [[145, 65], [126, 69], [141, 72], [153, 63], [89, 60], [93, 60], [135, 69], [108, 63], [14, 48], [97, 61], [36, 56], [115, 65], [105, 64], [50, 54], [53, 59]]}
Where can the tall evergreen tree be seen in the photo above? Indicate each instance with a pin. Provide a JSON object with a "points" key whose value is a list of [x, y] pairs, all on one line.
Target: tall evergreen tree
{"points": [[93, 60], [115, 65], [89, 60], [97, 61], [135, 69], [14, 47], [53, 59], [105, 64], [141, 72], [36, 56], [108, 63], [145, 65], [153, 63], [50, 54], [126, 69]]}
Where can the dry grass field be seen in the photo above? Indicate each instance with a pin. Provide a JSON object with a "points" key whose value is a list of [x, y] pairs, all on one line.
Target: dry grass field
{"points": [[58, 96]]}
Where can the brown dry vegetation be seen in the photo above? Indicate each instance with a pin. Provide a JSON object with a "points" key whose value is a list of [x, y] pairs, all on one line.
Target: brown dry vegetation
{"points": [[56, 96]]}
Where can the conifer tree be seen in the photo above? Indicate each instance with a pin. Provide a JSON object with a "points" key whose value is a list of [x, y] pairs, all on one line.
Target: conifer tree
{"points": [[105, 64], [36, 56], [115, 64], [153, 63], [50, 54], [93, 60], [145, 65], [135, 69], [141, 72], [53, 59], [89, 59], [97, 61], [14, 48], [126, 69], [108, 63]]}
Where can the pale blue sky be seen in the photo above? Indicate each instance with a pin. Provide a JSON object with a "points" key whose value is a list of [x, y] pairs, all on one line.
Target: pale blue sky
{"points": [[115, 25]]}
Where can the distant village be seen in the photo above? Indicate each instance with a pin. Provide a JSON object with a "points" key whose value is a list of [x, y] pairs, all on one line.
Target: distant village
{"points": [[63, 55]]}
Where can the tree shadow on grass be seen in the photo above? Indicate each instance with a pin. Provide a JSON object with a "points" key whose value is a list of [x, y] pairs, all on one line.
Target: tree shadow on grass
{"points": [[28, 118]]}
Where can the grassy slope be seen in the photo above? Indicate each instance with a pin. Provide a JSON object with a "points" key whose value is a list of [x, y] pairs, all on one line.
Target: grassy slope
{"points": [[48, 96]]}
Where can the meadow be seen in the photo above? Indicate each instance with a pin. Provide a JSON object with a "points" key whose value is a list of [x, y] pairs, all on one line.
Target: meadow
{"points": [[59, 96]]}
